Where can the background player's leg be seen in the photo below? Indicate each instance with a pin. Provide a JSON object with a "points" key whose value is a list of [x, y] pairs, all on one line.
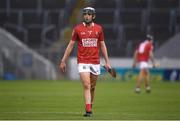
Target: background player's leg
{"points": [[147, 81], [139, 80]]}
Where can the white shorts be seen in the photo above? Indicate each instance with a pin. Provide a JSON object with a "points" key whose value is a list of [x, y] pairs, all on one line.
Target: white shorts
{"points": [[144, 65], [92, 68]]}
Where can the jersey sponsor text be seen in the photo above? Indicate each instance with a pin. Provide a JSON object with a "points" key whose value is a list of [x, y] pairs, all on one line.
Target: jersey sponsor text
{"points": [[89, 42]]}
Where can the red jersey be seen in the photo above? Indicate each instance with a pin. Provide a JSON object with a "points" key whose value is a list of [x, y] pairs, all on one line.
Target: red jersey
{"points": [[144, 50], [88, 38]]}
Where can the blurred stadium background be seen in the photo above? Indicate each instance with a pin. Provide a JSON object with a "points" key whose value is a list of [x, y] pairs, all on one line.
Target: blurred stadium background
{"points": [[34, 34]]}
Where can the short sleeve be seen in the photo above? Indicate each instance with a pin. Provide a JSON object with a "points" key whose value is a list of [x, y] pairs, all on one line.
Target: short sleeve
{"points": [[74, 35]]}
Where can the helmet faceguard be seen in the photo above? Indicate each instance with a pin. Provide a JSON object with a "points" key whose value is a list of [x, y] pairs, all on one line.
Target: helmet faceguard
{"points": [[89, 11]]}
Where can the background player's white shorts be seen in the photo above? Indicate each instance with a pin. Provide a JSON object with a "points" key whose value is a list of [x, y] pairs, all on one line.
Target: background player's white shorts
{"points": [[92, 68], [144, 65]]}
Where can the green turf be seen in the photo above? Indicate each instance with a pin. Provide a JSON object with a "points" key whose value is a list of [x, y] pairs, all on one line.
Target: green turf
{"points": [[63, 100]]}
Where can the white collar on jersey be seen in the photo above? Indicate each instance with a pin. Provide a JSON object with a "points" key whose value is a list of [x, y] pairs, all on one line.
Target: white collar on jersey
{"points": [[91, 24]]}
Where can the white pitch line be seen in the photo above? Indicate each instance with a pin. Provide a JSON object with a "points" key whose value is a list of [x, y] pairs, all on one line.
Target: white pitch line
{"points": [[19, 112], [33, 112], [67, 113]]}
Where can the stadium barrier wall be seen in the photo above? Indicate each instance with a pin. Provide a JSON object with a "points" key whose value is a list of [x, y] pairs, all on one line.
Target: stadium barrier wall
{"points": [[21, 62], [169, 70]]}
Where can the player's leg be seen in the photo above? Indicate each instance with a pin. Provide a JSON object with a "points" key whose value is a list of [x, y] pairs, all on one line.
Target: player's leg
{"points": [[147, 81], [139, 80], [93, 85], [84, 71], [95, 71], [85, 78]]}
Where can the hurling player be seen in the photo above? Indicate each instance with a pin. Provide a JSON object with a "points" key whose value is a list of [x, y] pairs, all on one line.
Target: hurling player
{"points": [[90, 39], [142, 54]]}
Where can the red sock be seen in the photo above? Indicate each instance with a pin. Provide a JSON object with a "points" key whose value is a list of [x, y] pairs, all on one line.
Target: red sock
{"points": [[88, 107]]}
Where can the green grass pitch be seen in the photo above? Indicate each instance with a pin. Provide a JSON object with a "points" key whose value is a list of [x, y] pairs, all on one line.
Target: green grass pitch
{"points": [[63, 100]]}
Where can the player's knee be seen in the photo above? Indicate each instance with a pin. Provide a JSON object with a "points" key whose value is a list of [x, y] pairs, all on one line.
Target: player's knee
{"points": [[87, 86]]}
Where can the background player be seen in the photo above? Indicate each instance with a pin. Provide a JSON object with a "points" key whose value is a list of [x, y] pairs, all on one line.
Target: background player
{"points": [[142, 55], [90, 38]]}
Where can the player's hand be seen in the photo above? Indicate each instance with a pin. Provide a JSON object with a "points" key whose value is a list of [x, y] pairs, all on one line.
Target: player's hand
{"points": [[110, 70], [107, 66], [62, 66], [156, 65]]}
